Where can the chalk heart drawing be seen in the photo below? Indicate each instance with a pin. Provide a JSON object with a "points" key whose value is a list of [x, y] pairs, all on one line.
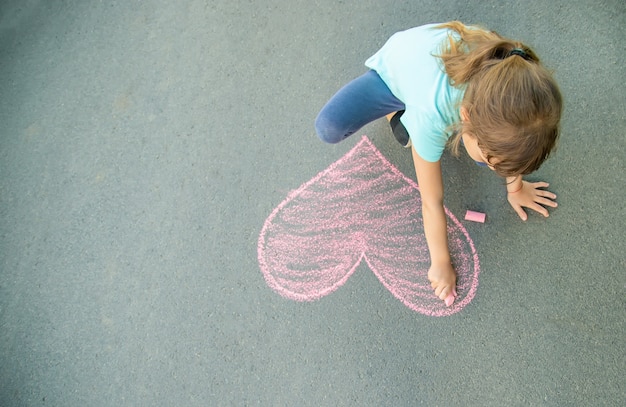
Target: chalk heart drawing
{"points": [[360, 208]]}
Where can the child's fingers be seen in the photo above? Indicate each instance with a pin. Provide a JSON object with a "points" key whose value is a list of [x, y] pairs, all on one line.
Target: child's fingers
{"points": [[546, 202], [545, 194], [440, 291], [538, 208], [444, 294], [540, 185], [520, 212]]}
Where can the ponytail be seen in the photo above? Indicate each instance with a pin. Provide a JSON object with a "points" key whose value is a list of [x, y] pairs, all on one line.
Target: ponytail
{"points": [[514, 104], [476, 50]]}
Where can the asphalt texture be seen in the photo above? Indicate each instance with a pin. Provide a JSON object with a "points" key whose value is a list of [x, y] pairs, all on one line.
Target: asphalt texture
{"points": [[144, 143]]}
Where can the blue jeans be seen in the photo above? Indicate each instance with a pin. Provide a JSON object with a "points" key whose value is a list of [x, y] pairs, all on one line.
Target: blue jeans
{"points": [[361, 101], [358, 103]]}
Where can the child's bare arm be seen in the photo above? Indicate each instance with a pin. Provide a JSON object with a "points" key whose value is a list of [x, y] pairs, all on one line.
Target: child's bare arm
{"points": [[521, 194], [441, 274]]}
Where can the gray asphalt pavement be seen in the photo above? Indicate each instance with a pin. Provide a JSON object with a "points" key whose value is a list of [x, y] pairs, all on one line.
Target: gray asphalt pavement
{"points": [[143, 144]]}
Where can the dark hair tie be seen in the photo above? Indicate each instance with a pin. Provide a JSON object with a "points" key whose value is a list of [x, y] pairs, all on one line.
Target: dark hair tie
{"points": [[519, 52]]}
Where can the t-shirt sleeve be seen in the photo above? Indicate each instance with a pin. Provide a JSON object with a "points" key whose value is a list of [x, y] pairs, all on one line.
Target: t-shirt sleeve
{"points": [[407, 63], [429, 140]]}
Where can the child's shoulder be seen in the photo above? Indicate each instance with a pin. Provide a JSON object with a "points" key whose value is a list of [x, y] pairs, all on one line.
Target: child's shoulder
{"points": [[424, 37], [424, 30]]}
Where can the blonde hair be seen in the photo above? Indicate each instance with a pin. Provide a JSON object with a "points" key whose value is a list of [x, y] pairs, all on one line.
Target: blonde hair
{"points": [[513, 102]]}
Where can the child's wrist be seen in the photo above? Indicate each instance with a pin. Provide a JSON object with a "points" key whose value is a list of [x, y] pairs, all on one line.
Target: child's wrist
{"points": [[521, 185], [515, 185]]}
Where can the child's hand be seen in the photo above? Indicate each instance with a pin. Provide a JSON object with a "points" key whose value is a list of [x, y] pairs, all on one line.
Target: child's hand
{"points": [[531, 196], [443, 279]]}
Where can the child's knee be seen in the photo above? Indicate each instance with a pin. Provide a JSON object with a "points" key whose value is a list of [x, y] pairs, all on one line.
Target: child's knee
{"points": [[327, 131]]}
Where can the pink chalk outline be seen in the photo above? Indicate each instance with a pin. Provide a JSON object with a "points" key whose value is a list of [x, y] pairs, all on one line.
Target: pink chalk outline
{"points": [[360, 208]]}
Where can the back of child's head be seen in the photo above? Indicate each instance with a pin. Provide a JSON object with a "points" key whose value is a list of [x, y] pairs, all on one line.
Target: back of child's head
{"points": [[513, 102]]}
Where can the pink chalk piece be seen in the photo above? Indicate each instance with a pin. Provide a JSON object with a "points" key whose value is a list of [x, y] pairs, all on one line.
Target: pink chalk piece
{"points": [[361, 208], [475, 216], [449, 299]]}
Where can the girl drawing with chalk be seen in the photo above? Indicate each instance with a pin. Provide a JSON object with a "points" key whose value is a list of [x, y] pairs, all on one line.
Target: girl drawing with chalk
{"points": [[463, 87]]}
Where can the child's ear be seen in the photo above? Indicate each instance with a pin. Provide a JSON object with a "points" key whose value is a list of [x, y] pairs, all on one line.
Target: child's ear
{"points": [[464, 114]]}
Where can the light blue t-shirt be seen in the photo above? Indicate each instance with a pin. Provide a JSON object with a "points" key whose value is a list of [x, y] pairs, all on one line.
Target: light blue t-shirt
{"points": [[408, 65]]}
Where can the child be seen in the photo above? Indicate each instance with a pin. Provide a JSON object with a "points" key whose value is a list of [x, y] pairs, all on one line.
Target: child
{"points": [[452, 84]]}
